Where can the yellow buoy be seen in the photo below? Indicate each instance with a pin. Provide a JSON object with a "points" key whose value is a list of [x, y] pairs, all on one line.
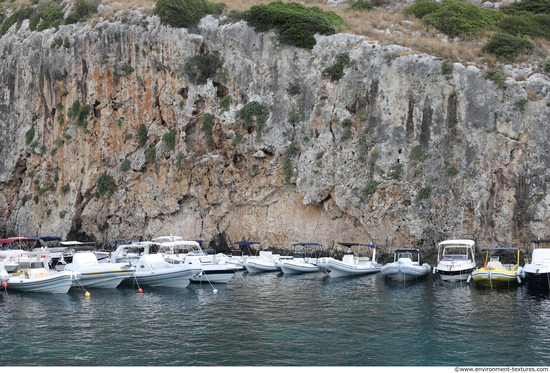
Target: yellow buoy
{"points": [[87, 295]]}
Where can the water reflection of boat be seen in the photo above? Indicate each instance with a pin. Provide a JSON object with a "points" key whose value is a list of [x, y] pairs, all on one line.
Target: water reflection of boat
{"points": [[455, 260], [36, 277], [351, 264], [301, 261], [494, 272], [537, 271], [404, 268]]}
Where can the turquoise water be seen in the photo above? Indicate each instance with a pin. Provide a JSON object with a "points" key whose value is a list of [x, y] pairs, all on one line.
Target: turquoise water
{"points": [[274, 319]]}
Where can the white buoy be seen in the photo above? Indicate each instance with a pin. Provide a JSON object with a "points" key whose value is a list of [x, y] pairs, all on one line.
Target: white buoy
{"points": [[215, 291]]}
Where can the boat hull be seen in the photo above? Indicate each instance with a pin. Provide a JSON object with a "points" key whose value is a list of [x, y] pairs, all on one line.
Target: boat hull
{"points": [[495, 277], [336, 268], [215, 275], [170, 278], [106, 279], [455, 273], [254, 266], [292, 267], [53, 284], [404, 272], [538, 279]]}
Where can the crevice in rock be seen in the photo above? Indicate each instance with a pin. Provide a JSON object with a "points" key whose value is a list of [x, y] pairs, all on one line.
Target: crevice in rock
{"points": [[221, 90]]}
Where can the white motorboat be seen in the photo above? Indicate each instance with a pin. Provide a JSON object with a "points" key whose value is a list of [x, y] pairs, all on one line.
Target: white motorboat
{"points": [[131, 253], [404, 267], [99, 275], [351, 264], [153, 270], [455, 260], [300, 262], [264, 262], [190, 253], [36, 277], [537, 271]]}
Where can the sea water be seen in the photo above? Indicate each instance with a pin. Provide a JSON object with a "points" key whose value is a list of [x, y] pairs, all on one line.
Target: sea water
{"points": [[273, 319]]}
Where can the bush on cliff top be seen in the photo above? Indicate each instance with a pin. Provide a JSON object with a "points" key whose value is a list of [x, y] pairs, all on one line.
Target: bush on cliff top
{"points": [[295, 23], [455, 18], [185, 13], [83, 10], [508, 46]]}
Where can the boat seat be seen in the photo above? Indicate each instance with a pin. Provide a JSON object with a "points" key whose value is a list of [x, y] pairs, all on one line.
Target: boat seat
{"points": [[492, 265]]}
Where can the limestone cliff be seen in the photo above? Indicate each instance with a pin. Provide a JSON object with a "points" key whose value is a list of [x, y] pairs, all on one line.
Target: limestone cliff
{"points": [[396, 152]]}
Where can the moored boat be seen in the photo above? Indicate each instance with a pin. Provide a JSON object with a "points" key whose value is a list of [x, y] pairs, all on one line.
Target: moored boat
{"points": [[99, 275], [153, 270], [494, 272], [404, 267], [190, 253], [537, 271], [455, 260], [351, 264], [301, 261], [36, 277]]}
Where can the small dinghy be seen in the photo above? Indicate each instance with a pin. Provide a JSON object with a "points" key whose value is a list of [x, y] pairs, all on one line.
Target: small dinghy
{"points": [[404, 267], [351, 264]]}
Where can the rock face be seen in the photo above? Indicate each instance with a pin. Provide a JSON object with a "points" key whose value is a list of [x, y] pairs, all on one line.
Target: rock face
{"points": [[396, 152]]}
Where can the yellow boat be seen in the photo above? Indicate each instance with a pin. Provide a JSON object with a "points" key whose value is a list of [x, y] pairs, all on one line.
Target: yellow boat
{"points": [[495, 273]]}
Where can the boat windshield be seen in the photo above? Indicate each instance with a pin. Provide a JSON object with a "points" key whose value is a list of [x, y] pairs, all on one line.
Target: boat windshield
{"points": [[455, 257]]}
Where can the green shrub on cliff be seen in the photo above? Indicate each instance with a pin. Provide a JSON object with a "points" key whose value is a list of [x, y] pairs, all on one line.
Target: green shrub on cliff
{"points": [[207, 124], [295, 23], [361, 5], [46, 15], [424, 193], [105, 183], [254, 112], [169, 139], [185, 13], [336, 71], [456, 18], [29, 136], [202, 67], [142, 135], [83, 9], [508, 46], [292, 151], [17, 17]]}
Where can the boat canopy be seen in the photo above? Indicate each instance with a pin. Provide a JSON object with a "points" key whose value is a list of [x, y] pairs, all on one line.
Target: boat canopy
{"points": [[13, 253], [457, 242], [246, 243], [48, 238], [179, 243], [167, 238], [16, 239], [415, 251], [349, 245], [504, 249], [538, 242]]}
